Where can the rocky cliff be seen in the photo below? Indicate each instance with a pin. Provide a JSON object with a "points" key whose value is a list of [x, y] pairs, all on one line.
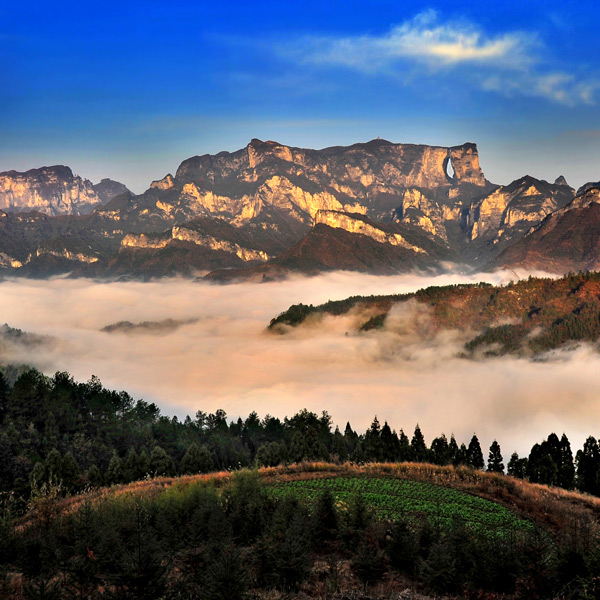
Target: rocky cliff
{"points": [[509, 212], [350, 242], [272, 209], [355, 224], [368, 178], [374, 164], [108, 189], [54, 191], [566, 240]]}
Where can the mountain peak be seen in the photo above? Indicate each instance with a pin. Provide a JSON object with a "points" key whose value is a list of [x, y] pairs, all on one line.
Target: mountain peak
{"points": [[52, 190], [586, 186]]}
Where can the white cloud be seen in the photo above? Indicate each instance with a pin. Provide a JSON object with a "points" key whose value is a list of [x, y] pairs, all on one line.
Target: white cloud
{"points": [[510, 63], [224, 358], [422, 38]]}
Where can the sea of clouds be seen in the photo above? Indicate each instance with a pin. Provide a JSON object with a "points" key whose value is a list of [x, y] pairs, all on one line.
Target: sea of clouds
{"points": [[211, 349]]}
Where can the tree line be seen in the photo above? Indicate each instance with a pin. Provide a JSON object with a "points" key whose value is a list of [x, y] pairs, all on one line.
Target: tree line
{"points": [[54, 429]]}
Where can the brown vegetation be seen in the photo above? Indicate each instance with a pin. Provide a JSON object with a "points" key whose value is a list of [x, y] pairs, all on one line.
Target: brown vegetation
{"points": [[551, 507]]}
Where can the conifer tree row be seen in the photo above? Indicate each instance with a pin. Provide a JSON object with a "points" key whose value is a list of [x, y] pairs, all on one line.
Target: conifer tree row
{"points": [[81, 434]]}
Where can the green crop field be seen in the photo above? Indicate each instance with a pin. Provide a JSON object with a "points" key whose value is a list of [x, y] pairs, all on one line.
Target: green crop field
{"points": [[396, 498]]}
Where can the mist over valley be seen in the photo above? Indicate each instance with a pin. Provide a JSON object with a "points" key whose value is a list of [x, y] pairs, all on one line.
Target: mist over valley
{"points": [[213, 350]]}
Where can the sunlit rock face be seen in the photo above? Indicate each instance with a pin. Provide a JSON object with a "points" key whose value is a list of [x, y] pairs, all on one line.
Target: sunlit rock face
{"points": [[271, 208], [185, 234], [51, 190], [568, 239], [465, 162], [199, 238], [423, 210], [279, 190], [141, 240], [369, 178], [375, 163], [509, 212], [353, 224], [166, 183], [73, 256]]}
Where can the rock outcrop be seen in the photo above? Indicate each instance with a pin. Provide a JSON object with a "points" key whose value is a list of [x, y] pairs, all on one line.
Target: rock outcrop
{"points": [[192, 235], [54, 191], [108, 189], [367, 178], [355, 224], [166, 183], [421, 209], [510, 211], [566, 240], [374, 163]]}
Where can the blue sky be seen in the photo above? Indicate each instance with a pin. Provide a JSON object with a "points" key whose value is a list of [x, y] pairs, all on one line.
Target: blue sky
{"points": [[129, 90]]}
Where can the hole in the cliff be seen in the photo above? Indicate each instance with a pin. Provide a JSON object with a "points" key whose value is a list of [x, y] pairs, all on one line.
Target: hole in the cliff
{"points": [[449, 169]]}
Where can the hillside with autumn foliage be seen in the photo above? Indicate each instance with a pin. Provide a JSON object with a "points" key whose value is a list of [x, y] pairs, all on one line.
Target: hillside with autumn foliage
{"points": [[528, 317]]}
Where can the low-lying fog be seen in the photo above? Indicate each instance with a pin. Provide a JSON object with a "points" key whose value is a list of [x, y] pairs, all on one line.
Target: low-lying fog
{"points": [[210, 350]]}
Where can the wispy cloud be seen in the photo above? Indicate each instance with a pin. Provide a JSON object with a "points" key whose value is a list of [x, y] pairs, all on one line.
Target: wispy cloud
{"points": [[511, 63], [425, 39]]}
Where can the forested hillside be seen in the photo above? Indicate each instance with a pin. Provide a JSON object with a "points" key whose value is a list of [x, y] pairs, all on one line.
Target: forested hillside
{"points": [[527, 318], [76, 435], [307, 531]]}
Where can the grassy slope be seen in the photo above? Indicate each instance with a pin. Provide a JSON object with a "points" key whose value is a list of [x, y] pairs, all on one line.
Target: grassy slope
{"points": [[553, 508], [532, 315]]}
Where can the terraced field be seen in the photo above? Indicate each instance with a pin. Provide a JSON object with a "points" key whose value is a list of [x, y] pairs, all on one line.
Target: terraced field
{"points": [[392, 498]]}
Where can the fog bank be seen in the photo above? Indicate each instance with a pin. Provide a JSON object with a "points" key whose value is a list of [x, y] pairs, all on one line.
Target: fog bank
{"points": [[219, 355]]}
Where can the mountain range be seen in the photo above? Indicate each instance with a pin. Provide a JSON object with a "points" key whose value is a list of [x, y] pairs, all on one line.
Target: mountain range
{"points": [[268, 210]]}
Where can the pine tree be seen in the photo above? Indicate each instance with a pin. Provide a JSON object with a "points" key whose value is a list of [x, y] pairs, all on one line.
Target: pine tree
{"points": [[70, 472], [566, 470], [160, 462], [372, 442], [517, 467], [94, 476], [389, 444], [404, 451], [194, 460], [114, 472], [403, 548], [262, 458], [368, 563], [440, 451], [338, 446], [474, 454], [461, 456], [541, 467], [137, 566], [351, 439], [6, 462], [54, 466], [453, 450], [588, 463], [418, 446], [495, 461], [226, 576], [4, 393], [38, 475], [292, 559], [325, 518], [130, 466], [439, 571], [143, 465]]}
